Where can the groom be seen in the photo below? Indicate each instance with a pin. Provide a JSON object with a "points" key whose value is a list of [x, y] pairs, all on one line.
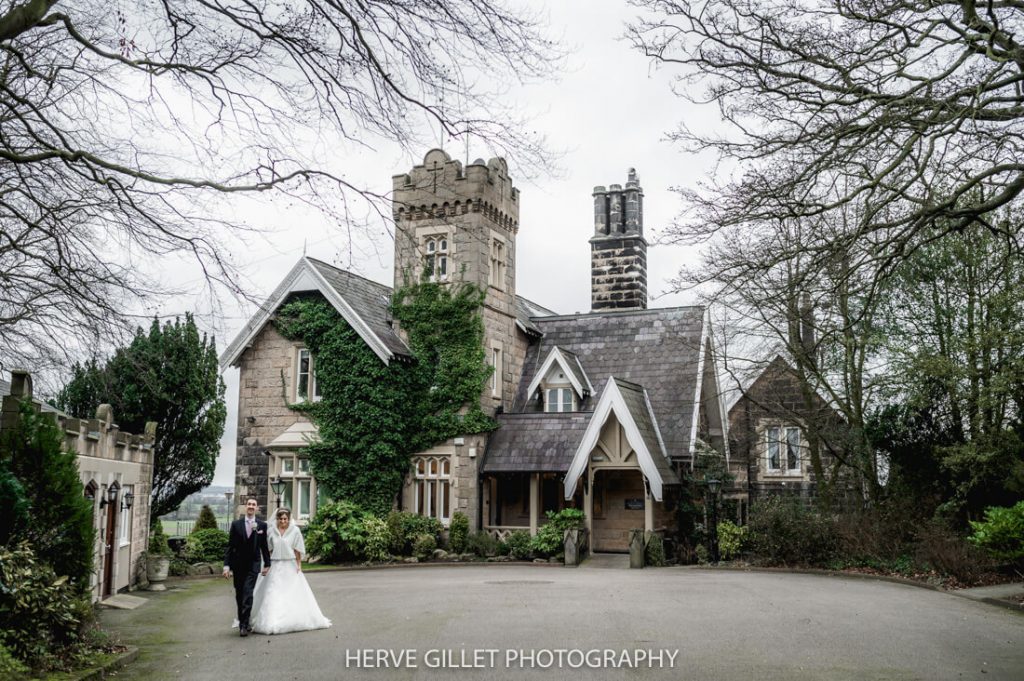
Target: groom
{"points": [[247, 544]]}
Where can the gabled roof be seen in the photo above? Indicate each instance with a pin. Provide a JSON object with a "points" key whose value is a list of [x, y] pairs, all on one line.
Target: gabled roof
{"points": [[525, 309], [537, 442], [571, 367], [632, 408], [299, 434], [361, 302], [659, 349]]}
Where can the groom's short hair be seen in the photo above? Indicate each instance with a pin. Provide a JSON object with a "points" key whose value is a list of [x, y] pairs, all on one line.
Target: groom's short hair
{"points": [[251, 498]]}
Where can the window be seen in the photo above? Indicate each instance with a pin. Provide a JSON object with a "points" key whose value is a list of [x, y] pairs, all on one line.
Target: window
{"points": [[433, 487], [496, 374], [287, 466], [497, 263], [288, 497], [558, 399], [304, 466], [782, 448], [306, 388], [304, 499], [435, 262], [124, 536]]}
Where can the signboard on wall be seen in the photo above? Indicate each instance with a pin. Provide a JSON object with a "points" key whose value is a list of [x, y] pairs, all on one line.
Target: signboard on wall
{"points": [[634, 504]]}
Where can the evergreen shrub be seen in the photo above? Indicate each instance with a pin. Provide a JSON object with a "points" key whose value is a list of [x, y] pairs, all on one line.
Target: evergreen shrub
{"points": [[482, 544], [731, 539], [404, 527], [337, 532], [782, 531], [423, 546], [517, 545], [654, 551], [378, 539], [206, 546], [1001, 533], [58, 525], [206, 520], [158, 545], [458, 532], [40, 613], [550, 538]]}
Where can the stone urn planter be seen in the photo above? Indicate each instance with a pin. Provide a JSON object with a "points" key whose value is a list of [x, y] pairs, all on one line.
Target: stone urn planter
{"points": [[156, 571]]}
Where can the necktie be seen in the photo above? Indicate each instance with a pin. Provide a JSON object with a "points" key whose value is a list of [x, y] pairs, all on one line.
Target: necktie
{"points": [[248, 529]]}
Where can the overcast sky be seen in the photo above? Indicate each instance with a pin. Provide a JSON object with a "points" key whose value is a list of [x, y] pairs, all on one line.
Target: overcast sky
{"points": [[609, 112]]}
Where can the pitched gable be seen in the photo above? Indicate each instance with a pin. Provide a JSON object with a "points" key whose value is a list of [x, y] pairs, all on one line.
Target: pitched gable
{"points": [[361, 302], [631, 406]]}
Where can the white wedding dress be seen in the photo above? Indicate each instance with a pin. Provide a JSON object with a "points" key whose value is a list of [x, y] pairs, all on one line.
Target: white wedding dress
{"points": [[282, 600]]}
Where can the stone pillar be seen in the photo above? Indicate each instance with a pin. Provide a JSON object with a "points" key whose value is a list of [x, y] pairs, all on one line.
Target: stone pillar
{"points": [[648, 511], [588, 503], [534, 502]]}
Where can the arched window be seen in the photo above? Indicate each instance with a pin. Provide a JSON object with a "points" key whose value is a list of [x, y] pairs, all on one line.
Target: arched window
{"points": [[435, 260], [432, 487]]}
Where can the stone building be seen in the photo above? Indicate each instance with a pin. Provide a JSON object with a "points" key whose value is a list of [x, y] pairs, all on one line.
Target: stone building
{"points": [[777, 428], [602, 410], [116, 470]]}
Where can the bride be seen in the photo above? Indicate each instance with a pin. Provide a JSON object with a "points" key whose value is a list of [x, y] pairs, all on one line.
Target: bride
{"points": [[283, 601]]}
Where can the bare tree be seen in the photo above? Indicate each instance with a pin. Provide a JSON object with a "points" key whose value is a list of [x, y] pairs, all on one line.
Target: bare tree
{"points": [[122, 127], [822, 321], [912, 109]]}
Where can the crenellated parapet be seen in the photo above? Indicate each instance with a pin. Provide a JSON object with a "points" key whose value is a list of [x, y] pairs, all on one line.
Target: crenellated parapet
{"points": [[442, 188]]}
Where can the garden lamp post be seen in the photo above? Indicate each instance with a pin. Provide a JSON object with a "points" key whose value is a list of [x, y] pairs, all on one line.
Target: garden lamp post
{"points": [[277, 485], [714, 485]]}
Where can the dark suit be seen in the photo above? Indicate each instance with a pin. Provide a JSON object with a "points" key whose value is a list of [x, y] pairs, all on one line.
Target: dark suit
{"points": [[243, 557]]}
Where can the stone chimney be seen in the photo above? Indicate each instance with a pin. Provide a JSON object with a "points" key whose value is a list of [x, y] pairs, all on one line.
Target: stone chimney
{"points": [[618, 274]]}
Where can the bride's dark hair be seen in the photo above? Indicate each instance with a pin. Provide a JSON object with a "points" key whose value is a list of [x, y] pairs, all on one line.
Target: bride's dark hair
{"points": [[284, 510]]}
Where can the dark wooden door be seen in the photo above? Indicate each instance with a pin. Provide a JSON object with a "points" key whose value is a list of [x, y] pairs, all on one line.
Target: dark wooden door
{"points": [[109, 547]]}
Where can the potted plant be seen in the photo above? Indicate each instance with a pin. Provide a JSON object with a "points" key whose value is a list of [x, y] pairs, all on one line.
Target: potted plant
{"points": [[158, 560]]}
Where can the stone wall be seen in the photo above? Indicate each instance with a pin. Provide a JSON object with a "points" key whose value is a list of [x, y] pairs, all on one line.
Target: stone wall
{"points": [[776, 398], [265, 383], [471, 207], [107, 456]]}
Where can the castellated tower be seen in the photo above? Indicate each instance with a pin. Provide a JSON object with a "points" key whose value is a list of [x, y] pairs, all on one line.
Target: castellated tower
{"points": [[452, 224], [618, 273], [459, 224]]}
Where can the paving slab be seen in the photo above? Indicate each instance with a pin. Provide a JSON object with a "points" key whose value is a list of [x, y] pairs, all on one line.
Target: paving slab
{"points": [[439, 623], [124, 602]]}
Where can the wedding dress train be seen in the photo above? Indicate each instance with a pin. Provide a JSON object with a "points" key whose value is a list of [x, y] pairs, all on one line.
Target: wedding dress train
{"points": [[282, 600]]}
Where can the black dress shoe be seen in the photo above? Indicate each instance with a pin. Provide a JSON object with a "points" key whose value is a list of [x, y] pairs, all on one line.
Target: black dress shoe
{"points": [[243, 631]]}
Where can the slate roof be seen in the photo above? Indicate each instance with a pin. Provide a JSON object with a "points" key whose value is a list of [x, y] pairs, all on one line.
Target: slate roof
{"points": [[525, 309], [369, 299], [636, 401], [658, 349], [535, 442], [576, 368]]}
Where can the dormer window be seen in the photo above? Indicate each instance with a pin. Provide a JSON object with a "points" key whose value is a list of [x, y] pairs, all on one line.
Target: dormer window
{"points": [[559, 400], [435, 260], [561, 384]]}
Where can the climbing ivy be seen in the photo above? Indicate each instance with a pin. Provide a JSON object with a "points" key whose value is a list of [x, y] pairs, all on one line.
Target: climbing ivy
{"points": [[373, 415]]}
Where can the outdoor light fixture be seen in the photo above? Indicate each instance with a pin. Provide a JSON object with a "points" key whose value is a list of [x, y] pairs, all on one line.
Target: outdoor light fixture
{"points": [[110, 497], [228, 495], [127, 500], [714, 485], [277, 485]]}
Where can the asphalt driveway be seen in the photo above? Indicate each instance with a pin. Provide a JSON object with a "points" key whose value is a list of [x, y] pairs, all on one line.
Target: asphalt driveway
{"points": [[526, 622]]}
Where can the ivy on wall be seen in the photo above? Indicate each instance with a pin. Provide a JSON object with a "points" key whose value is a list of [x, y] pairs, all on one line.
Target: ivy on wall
{"points": [[372, 415]]}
